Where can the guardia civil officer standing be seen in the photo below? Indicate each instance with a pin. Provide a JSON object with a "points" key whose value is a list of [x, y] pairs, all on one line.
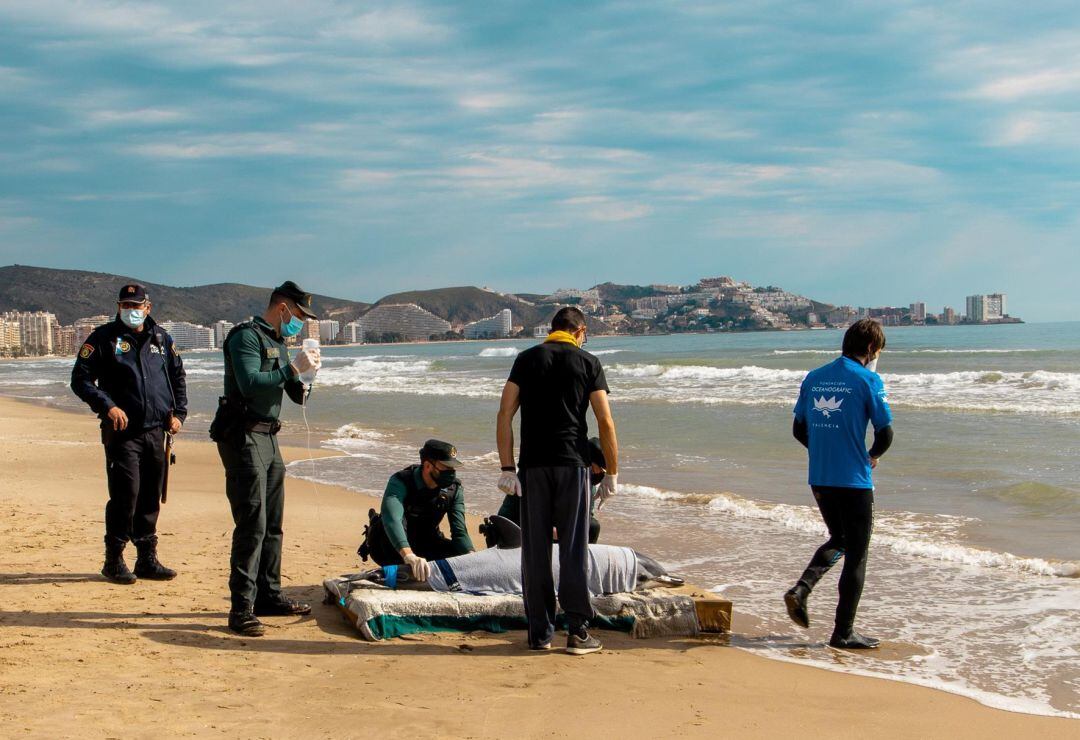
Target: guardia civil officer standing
{"points": [[131, 376], [836, 403], [554, 384], [257, 373]]}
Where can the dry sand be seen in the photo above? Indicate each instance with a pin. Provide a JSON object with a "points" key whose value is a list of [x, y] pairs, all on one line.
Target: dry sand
{"points": [[82, 657]]}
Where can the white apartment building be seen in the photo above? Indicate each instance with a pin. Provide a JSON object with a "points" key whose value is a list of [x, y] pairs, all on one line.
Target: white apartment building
{"points": [[493, 327], [353, 333], [405, 319], [221, 330], [35, 330], [328, 330], [189, 336]]}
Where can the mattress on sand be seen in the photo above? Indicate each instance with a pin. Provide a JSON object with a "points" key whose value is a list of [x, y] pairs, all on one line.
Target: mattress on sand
{"points": [[379, 612]]}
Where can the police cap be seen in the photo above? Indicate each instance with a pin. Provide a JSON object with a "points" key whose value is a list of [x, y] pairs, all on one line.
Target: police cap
{"points": [[292, 291], [132, 293], [439, 451]]}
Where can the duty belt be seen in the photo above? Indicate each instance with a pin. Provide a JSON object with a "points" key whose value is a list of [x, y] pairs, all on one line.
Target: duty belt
{"points": [[264, 427]]}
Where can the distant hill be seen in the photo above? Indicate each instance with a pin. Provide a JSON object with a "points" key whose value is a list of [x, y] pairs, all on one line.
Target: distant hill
{"points": [[467, 303], [73, 294]]}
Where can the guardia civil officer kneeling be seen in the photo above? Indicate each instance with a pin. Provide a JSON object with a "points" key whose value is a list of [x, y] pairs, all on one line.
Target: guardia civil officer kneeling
{"points": [[414, 504], [257, 373], [129, 373]]}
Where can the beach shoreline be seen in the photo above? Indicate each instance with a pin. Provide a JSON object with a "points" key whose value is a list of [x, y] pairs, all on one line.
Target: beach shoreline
{"points": [[84, 657]]}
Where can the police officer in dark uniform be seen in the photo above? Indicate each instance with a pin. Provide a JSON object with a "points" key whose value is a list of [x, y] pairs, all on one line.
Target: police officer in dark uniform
{"points": [[257, 373], [131, 376], [415, 502]]}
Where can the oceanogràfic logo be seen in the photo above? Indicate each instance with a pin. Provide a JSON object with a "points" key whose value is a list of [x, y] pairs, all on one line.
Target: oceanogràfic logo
{"points": [[828, 406]]}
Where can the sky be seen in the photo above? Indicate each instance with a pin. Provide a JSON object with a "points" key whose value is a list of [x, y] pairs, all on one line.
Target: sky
{"points": [[863, 153]]}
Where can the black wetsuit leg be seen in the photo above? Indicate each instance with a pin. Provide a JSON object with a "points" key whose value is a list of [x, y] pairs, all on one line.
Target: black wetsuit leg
{"points": [[849, 516]]}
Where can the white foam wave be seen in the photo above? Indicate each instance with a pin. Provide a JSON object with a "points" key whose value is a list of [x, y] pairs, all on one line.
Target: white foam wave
{"points": [[1031, 392], [24, 381], [888, 352], [498, 352], [601, 352], [906, 533]]}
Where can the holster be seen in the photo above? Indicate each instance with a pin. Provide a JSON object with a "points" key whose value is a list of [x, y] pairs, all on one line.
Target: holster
{"points": [[229, 421]]}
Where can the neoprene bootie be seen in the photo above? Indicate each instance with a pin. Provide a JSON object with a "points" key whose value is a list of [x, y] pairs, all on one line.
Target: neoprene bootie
{"points": [[795, 601], [852, 640]]}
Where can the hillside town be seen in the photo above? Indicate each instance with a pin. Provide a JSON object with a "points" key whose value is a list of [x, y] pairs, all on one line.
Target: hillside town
{"points": [[710, 305]]}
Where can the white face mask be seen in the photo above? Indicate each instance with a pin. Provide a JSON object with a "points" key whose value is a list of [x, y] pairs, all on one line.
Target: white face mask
{"points": [[133, 317]]}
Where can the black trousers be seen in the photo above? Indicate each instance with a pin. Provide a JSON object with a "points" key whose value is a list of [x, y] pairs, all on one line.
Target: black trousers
{"points": [[849, 515], [255, 487], [555, 497], [429, 544], [134, 468]]}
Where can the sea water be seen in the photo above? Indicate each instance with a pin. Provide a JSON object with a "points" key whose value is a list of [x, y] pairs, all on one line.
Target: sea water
{"points": [[974, 566]]}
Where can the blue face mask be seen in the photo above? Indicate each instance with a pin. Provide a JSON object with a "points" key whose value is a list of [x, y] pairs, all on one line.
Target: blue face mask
{"points": [[292, 327], [133, 317]]}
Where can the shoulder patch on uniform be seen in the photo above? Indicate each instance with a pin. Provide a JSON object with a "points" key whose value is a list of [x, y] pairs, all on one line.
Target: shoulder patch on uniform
{"points": [[154, 349], [86, 351], [272, 352]]}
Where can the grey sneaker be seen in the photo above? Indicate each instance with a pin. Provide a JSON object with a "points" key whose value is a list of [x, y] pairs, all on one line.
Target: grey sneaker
{"points": [[582, 644]]}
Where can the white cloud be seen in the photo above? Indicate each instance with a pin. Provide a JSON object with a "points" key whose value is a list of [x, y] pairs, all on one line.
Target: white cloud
{"points": [[137, 117], [602, 208]]}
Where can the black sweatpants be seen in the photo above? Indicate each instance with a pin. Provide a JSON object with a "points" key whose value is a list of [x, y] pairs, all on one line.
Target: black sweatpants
{"points": [[849, 515], [555, 497], [134, 468]]}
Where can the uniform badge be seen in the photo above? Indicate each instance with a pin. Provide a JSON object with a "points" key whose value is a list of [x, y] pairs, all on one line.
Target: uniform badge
{"points": [[86, 351], [154, 349], [453, 451], [123, 346], [272, 352]]}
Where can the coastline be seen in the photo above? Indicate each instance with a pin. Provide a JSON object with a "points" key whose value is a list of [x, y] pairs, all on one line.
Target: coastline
{"points": [[87, 656]]}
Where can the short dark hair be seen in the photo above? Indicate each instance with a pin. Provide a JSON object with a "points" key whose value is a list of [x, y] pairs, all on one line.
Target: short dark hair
{"points": [[862, 336], [280, 298], [568, 319]]}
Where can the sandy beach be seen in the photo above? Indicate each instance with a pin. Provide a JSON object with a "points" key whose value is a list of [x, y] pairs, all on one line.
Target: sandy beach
{"points": [[82, 657]]}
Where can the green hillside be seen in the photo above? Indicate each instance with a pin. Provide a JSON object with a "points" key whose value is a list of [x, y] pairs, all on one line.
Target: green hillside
{"points": [[73, 294]]}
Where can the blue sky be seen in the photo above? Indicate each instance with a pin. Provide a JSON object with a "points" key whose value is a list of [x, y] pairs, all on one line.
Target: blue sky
{"points": [[866, 153]]}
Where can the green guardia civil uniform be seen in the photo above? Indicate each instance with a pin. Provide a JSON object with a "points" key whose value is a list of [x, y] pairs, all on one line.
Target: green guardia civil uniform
{"points": [[257, 374]]}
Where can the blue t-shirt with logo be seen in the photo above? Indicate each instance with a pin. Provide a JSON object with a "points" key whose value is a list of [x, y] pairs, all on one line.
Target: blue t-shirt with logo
{"points": [[836, 402]]}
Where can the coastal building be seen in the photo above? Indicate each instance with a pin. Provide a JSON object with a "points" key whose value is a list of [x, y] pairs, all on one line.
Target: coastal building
{"points": [[406, 320], [917, 311], [35, 330], [10, 337], [353, 333], [644, 314], [221, 330], [311, 329], [328, 331], [86, 325], [493, 327], [986, 308], [189, 336], [64, 340], [948, 316]]}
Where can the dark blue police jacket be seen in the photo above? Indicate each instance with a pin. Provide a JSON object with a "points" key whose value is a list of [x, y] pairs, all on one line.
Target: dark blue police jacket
{"points": [[145, 379]]}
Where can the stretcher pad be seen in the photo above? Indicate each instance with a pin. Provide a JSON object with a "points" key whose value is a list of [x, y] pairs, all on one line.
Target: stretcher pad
{"points": [[379, 613]]}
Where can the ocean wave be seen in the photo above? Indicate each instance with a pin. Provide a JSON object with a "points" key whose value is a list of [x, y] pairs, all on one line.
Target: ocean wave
{"points": [[1025, 392], [914, 351], [498, 352], [906, 533], [601, 352]]}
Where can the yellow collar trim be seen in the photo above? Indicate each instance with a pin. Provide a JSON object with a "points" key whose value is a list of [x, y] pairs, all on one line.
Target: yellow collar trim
{"points": [[562, 336]]}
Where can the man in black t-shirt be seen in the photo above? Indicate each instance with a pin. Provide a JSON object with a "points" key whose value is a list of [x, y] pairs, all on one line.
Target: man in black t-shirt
{"points": [[554, 384]]}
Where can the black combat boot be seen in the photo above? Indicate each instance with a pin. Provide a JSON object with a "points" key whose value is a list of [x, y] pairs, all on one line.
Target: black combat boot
{"points": [[115, 569], [147, 565]]}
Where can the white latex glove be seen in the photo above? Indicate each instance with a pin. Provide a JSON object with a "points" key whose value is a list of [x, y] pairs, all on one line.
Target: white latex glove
{"points": [[607, 488], [419, 566], [307, 359], [509, 483]]}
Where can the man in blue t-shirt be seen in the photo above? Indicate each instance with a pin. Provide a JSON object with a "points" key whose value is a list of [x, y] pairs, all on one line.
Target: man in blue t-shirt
{"points": [[836, 403]]}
